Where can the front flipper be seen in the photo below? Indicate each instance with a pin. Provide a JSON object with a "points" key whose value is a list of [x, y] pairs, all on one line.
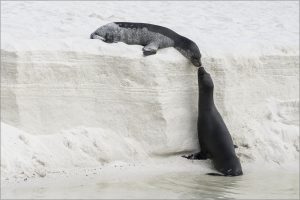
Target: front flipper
{"points": [[150, 49], [108, 38], [198, 156]]}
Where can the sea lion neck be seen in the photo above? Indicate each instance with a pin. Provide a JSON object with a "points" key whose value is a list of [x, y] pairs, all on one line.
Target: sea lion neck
{"points": [[206, 99], [206, 90]]}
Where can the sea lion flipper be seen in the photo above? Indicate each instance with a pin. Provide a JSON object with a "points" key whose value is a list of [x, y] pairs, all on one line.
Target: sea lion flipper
{"points": [[150, 49], [108, 38], [197, 156]]}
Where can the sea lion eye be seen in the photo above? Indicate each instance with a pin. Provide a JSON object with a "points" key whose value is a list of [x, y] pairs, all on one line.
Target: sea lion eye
{"points": [[195, 59]]}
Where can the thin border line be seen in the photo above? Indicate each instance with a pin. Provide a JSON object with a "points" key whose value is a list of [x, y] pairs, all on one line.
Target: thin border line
{"points": [[107, 1], [157, 0]]}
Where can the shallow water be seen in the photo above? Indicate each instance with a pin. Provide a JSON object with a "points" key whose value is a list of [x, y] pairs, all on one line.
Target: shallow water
{"points": [[267, 185]]}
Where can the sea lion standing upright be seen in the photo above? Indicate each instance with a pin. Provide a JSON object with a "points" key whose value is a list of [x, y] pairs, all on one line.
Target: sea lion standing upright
{"points": [[152, 37], [214, 137]]}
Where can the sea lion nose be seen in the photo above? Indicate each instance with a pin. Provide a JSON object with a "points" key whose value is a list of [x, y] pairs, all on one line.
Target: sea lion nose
{"points": [[92, 36], [201, 71]]}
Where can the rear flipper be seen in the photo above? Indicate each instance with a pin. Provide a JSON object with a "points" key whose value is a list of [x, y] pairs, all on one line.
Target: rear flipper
{"points": [[221, 174], [214, 174], [150, 49], [198, 156]]}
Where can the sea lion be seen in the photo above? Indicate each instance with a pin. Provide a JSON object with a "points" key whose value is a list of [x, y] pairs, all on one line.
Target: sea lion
{"points": [[214, 137], [152, 37]]}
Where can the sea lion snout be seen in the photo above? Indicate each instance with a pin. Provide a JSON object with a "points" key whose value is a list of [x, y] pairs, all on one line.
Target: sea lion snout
{"points": [[204, 80], [201, 71], [92, 36], [196, 62], [96, 36]]}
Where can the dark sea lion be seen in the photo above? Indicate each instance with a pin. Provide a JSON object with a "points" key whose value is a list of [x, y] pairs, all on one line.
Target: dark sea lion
{"points": [[152, 37], [214, 137]]}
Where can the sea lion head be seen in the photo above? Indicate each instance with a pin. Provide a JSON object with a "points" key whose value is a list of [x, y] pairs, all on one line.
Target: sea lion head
{"points": [[108, 33], [205, 81], [190, 50], [195, 55]]}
